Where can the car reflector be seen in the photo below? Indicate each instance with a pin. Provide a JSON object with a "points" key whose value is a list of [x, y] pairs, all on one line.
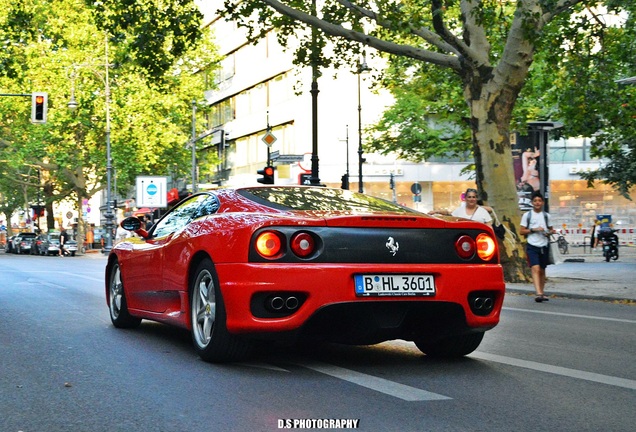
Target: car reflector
{"points": [[465, 247], [303, 244]]}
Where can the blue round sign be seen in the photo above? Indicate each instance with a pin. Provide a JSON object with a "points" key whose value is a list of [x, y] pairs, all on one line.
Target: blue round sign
{"points": [[151, 189]]}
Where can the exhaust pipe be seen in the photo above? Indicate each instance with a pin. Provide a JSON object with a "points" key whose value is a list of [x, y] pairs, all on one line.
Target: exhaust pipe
{"points": [[488, 303], [291, 303], [276, 303], [482, 305]]}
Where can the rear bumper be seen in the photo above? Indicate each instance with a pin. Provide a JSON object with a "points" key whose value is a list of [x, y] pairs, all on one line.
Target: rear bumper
{"points": [[329, 299]]}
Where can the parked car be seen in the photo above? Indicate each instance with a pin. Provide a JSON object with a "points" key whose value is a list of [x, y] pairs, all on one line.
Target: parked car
{"points": [[283, 263], [10, 246], [50, 244], [71, 247], [36, 244], [23, 242]]}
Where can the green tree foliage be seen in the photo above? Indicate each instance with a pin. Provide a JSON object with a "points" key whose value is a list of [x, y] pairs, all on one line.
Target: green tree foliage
{"points": [[152, 34], [63, 54]]}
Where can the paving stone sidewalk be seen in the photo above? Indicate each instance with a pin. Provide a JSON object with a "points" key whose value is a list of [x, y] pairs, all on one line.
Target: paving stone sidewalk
{"points": [[585, 274]]}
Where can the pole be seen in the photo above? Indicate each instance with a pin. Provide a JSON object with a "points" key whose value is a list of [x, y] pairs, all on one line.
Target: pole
{"points": [[314, 180], [360, 158], [347, 138], [109, 167], [194, 147]]}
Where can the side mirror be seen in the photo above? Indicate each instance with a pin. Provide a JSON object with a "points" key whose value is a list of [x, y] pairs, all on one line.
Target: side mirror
{"points": [[131, 224]]}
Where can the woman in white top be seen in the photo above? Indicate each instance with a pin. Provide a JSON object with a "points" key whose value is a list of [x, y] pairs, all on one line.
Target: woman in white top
{"points": [[472, 210]]}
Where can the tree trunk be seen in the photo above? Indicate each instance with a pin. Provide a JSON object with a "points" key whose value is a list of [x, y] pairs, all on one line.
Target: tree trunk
{"points": [[495, 175], [48, 199], [80, 224]]}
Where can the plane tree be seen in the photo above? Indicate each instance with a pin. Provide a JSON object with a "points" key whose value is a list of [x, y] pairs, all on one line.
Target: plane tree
{"points": [[59, 48]]}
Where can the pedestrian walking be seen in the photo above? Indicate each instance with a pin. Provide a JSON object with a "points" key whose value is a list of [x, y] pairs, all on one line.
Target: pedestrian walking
{"points": [[63, 241], [595, 234], [147, 222], [536, 225]]}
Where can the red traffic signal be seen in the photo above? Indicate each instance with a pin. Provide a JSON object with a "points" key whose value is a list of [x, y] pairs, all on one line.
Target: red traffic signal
{"points": [[39, 102], [267, 174]]}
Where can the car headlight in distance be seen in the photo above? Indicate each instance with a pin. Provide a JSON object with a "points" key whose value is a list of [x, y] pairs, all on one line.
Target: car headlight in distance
{"points": [[465, 247], [269, 244], [303, 244], [485, 246]]}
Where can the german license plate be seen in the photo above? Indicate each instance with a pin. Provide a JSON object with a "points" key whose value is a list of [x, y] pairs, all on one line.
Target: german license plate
{"points": [[395, 285]]}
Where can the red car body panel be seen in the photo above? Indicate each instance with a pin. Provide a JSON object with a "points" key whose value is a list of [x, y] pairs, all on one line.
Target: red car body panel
{"points": [[156, 272], [334, 284]]}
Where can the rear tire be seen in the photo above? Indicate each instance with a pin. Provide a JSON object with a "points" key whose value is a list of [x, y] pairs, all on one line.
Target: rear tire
{"points": [[211, 339], [450, 346], [118, 306]]}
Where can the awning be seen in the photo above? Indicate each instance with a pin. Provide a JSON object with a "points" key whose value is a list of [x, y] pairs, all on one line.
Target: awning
{"points": [[142, 211]]}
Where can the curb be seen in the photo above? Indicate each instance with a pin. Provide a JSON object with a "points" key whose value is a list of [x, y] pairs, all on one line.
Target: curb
{"points": [[559, 294]]}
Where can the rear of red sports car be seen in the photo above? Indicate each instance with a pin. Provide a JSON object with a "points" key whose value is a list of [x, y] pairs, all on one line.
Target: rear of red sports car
{"points": [[328, 265]]}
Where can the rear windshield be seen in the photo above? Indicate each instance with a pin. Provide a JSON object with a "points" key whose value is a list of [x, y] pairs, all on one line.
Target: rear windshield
{"points": [[320, 199]]}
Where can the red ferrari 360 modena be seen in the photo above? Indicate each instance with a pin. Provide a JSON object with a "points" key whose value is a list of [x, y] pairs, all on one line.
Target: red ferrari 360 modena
{"points": [[286, 262]]}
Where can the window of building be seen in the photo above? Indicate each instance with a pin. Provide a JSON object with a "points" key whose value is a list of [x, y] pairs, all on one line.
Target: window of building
{"points": [[570, 150], [222, 112], [280, 89]]}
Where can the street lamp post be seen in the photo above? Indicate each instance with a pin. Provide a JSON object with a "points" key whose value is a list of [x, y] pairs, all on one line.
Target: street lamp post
{"points": [[362, 68], [194, 147], [314, 180], [72, 104]]}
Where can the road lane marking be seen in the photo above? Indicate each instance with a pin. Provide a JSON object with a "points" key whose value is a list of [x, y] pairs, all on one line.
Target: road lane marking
{"points": [[623, 320], [78, 275], [260, 365], [557, 370], [381, 385]]}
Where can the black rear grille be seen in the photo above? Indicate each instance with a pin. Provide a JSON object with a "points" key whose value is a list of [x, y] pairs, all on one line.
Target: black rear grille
{"points": [[379, 245]]}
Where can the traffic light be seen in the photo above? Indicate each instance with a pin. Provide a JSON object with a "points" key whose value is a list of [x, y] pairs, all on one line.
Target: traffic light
{"points": [[39, 102], [267, 174], [345, 182]]}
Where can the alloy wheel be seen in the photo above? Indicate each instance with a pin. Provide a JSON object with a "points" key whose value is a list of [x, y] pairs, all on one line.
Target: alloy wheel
{"points": [[203, 308]]}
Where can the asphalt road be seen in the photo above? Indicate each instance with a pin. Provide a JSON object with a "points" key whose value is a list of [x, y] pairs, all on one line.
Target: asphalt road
{"points": [[64, 367]]}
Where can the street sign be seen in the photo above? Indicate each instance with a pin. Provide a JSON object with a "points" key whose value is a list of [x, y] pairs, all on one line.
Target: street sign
{"points": [[152, 192], [304, 179], [269, 138], [288, 159], [416, 188]]}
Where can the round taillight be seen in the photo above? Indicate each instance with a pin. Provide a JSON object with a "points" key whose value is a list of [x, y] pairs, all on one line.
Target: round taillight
{"points": [[486, 247], [269, 244], [465, 247], [303, 244]]}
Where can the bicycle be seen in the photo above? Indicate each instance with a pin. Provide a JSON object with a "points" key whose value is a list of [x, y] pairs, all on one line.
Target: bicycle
{"points": [[562, 243]]}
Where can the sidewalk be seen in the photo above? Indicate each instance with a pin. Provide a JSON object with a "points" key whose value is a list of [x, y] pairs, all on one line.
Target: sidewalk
{"points": [[588, 276]]}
